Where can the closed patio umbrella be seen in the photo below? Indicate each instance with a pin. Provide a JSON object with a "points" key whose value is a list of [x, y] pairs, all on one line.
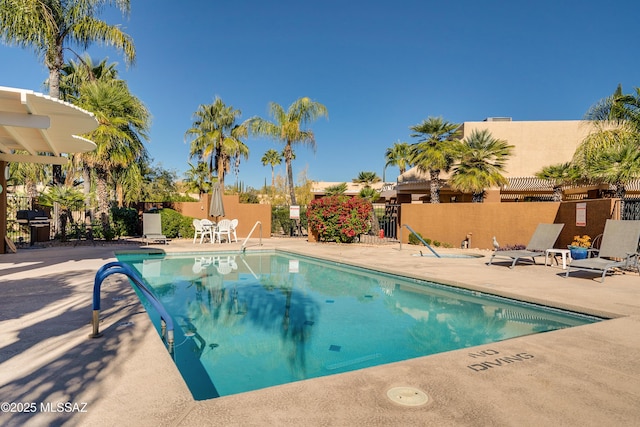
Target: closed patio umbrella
{"points": [[216, 208]]}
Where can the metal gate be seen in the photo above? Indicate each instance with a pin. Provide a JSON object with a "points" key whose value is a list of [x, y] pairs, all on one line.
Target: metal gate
{"points": [[388, 216]]}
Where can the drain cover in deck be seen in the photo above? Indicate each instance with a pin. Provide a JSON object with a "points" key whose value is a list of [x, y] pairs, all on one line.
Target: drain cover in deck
{"points": [[408, 396]]}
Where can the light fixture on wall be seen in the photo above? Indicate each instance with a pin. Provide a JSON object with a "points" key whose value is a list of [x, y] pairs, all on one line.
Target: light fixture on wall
{"points": [[7, 174]]}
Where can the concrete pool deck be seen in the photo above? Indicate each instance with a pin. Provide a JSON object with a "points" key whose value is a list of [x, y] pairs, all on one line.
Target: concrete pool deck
{"points": [[582, 376]]}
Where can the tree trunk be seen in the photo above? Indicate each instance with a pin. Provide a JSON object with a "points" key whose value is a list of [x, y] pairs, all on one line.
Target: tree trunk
{"points": [[435, 185], [287, 160], [86, 189], [557, 194]]}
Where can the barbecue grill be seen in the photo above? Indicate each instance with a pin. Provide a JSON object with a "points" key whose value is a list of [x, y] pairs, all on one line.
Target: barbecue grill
{"points": [[38, 222]]}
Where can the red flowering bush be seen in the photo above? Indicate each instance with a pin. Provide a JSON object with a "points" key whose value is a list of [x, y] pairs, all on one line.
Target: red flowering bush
{"points": [[339, 218]]}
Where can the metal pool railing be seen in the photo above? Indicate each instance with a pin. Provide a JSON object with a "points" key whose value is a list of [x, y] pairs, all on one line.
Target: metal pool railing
{"points": [[418, 237], [118, 267], [244, 244]]}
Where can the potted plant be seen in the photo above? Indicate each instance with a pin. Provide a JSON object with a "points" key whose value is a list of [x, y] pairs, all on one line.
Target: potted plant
{"points": [[579, 246]]}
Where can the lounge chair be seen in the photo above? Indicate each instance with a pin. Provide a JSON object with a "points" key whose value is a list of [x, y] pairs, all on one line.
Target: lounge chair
{"points": [[543, 238], [152, 228], [618, 249]]}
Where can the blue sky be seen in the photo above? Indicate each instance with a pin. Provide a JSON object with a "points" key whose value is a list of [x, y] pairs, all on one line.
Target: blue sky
{"points": [[378, 66]]}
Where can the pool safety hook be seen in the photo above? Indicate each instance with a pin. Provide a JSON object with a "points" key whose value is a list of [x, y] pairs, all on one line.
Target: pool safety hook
{"points": [[108, 269]]}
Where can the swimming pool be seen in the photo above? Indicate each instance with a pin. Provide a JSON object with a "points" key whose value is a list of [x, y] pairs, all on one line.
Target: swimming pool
{"points": [[245, 322]]}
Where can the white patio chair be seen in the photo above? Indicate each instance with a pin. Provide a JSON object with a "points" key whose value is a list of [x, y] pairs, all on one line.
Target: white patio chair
{"points": [[207, 229], [223, 228], [197, 225], [234, 225]]}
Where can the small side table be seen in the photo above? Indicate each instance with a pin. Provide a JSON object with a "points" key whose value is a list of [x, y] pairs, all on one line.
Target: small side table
{"points": [[566, 253]]}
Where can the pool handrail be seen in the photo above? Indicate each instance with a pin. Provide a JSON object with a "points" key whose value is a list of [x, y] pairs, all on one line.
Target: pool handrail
{"points": [[418, 237], [167, 328], [244, 244]]}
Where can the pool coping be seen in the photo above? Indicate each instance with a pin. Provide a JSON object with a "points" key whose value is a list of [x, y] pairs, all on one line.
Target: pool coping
{"points": [[577, 376]]}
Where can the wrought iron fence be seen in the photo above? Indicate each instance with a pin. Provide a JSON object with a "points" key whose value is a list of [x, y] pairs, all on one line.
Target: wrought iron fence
{"points": [[386, 229], [630, 209], [18, 233]]}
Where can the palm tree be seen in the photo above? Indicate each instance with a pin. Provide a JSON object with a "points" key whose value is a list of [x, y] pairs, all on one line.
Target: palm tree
{"points": [[559, 175], [618, 109], [123, 125], [49, 27], [273, 158], [197, 180], [367, 178], [611, 156], [335, 190], [435, 150], [30, 175], [74, 74], [287, 129], [482, 160], [398, 155], [216, 138]]}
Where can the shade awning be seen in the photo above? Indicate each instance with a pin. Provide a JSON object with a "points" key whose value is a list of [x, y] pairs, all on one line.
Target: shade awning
{"points": [[42, 128]]}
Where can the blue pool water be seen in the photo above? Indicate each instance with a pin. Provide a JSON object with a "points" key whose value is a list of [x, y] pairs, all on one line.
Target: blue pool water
{"points": [[245, 322]]}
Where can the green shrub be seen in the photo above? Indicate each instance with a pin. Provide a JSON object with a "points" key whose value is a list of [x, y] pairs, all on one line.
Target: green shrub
{"points": [[280, 220], [413, 239], [339, 218], [125, 221], [174, 224]]}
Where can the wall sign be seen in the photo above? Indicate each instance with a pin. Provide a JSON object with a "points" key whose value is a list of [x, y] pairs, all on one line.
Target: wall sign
{"points": [[581, 214]]}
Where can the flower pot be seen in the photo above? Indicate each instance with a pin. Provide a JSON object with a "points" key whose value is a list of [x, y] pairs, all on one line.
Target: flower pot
{"points": [[578, 253]]}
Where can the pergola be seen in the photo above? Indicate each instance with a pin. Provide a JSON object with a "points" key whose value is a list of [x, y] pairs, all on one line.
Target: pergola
{"points": [[35, 128]]}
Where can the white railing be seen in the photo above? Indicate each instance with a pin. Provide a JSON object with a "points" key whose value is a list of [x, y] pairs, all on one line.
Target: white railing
{"points": [[244, 244]]}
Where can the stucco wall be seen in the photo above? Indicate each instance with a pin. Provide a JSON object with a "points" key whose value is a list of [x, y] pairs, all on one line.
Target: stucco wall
{"points": [[511, 223], [537, 143], [246, 213]]}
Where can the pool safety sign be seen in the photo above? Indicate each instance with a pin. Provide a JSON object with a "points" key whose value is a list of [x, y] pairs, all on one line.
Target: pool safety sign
{"points": [[581, 214], [294, 212]]}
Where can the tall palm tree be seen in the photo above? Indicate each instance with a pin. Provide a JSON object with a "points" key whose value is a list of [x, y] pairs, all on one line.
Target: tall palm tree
{"points": [[216, 138], [611, 156], [398, 155], [287, 128], [273, 158], [559, 175], [50, 27], [618, 109], [482, 159], [123, 125], [435, 150], [74, 74]]}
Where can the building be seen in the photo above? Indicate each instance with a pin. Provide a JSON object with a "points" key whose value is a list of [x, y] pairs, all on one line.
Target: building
{"points": [[536, 144]]}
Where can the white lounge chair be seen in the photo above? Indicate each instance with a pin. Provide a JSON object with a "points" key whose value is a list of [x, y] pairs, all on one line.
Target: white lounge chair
{"points": [[543, 238], [152, 228], [618, 249]]}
